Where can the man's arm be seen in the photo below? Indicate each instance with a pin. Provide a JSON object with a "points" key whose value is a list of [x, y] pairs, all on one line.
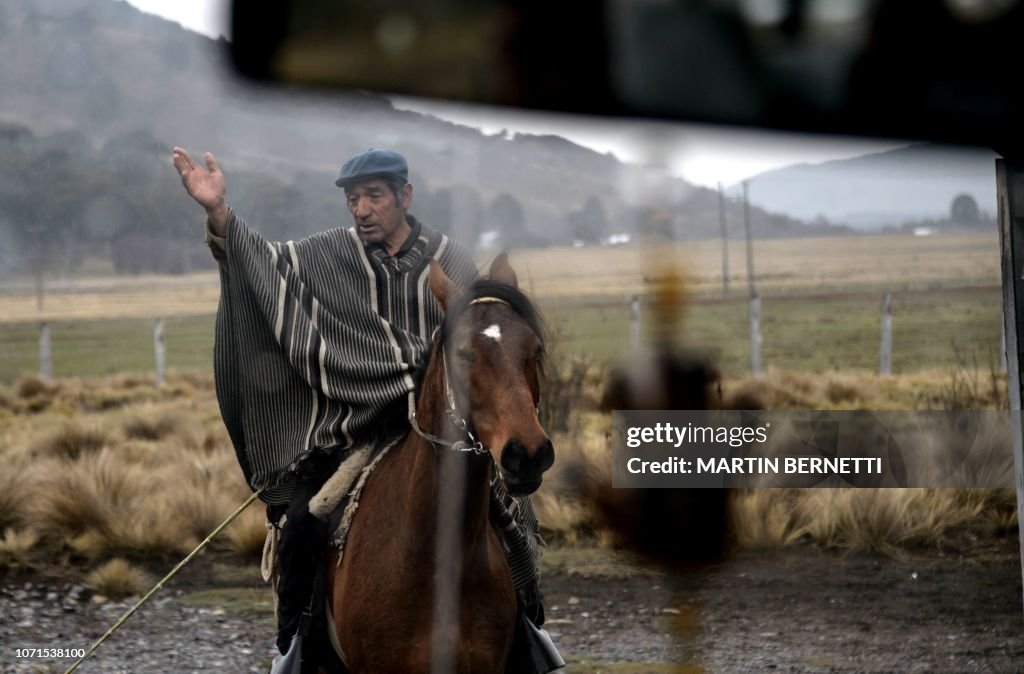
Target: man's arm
{"points": [[218, 244], [206, 186]]}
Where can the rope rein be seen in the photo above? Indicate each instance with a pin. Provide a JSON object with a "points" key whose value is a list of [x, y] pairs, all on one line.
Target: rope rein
{"points": [[174, 571]]}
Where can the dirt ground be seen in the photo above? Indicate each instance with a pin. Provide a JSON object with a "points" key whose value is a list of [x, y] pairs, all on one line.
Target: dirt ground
{"points": [[796, 610]]}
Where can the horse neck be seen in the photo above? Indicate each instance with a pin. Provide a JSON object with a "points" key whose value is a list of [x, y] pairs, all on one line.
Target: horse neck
{"points": [[431, 413]]}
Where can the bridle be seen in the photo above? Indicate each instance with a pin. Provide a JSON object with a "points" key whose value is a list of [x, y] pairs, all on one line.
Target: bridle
{"points": [[470, 443]]}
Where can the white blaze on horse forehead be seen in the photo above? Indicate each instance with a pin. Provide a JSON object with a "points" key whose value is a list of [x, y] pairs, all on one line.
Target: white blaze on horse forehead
{"points": [[494, 332]]}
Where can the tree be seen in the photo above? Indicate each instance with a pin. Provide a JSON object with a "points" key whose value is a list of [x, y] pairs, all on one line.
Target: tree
{"points": [[964, 210], [467, 210], [41, 184], [589, 224], [506, 216], [434, 208]]}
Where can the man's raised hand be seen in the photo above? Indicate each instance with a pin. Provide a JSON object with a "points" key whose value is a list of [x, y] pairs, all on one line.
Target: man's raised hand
{"points": [[205, 185]]}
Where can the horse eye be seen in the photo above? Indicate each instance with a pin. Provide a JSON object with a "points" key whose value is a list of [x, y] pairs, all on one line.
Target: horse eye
{"points": [[465, 354], [539, 353]]}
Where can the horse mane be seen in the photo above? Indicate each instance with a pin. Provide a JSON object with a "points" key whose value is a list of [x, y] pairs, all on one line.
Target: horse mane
{"points": [[487, 288]]}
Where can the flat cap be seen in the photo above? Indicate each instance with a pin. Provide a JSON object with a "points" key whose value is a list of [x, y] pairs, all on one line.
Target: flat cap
{"points": [[373, 163]]}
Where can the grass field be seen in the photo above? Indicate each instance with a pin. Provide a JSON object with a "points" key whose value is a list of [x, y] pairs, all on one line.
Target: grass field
{"points": [[111, 468], [101, 443], [112, 476], [812, 333], [820, 307], [90, 348]]}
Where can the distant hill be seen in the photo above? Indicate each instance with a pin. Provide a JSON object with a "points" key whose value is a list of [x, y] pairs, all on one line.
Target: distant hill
{"points": [[103, 71], [890, 188]]}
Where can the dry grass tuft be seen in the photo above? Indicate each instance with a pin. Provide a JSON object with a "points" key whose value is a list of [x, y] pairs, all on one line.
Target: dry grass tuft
{"points": [[843, 390], [201, 494], [162, 475], [774, 394], [7, 400], [100, 506], [140, 452], [101, 399], [563, 519], [762, 518], [216, 439], [174, 425], [14, 495], [968, 387], [78, 502], [886, 521], [248, 533], [72, 441], [783, 389], [15, 548], [31, 386], [132, 381], [117, 579], [193, 381], [1000, 513]]}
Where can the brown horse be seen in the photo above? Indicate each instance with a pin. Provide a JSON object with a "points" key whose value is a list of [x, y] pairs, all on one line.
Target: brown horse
{"points": [[398, 602]]}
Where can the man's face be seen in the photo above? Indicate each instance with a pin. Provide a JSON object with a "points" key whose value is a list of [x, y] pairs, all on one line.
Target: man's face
{"points": [[378, 214]]}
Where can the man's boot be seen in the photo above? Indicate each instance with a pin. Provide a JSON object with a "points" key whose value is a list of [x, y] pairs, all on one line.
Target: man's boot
{"points": [[302, 628], [300, 553], [303, 538]]}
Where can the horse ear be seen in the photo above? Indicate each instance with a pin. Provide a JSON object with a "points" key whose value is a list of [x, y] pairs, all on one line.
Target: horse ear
{"points": [[502, 271], [442, 287]]}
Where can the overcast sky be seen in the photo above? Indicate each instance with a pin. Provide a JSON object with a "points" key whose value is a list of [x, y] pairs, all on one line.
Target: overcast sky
{"points": [[701, 155]]}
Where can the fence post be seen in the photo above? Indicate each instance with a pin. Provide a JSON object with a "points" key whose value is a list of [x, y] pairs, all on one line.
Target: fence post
{"points": [[45, 352], [161, 354], [751, 287], [755, 298], [885, 354], [725, 241], [755, 334], [634, 322], [1002, 345]]}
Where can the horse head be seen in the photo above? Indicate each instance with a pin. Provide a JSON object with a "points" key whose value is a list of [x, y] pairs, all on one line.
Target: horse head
{"points": [[492, 344]]}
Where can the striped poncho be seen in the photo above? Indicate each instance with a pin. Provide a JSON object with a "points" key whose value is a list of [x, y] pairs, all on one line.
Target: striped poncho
{"points": [[316, 338]]}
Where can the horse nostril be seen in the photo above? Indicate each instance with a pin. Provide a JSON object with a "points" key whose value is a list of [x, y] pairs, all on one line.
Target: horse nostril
{"points": [[546, 455], [513, 456], [516, 460]]}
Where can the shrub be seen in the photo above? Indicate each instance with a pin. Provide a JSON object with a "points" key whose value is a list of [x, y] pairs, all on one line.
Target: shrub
{"points": [[31, 386], [15, 546], [117, 579], [14, 494], [99, 505], [248, 533], [160, 427], [72, 441]]}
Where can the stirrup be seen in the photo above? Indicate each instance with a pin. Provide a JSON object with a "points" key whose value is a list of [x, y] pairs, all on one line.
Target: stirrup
{"points": [[536, 653], [290, 662]]}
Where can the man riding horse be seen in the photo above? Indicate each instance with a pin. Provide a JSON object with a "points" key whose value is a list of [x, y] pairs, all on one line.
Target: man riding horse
{"points": [[317, 346]]}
